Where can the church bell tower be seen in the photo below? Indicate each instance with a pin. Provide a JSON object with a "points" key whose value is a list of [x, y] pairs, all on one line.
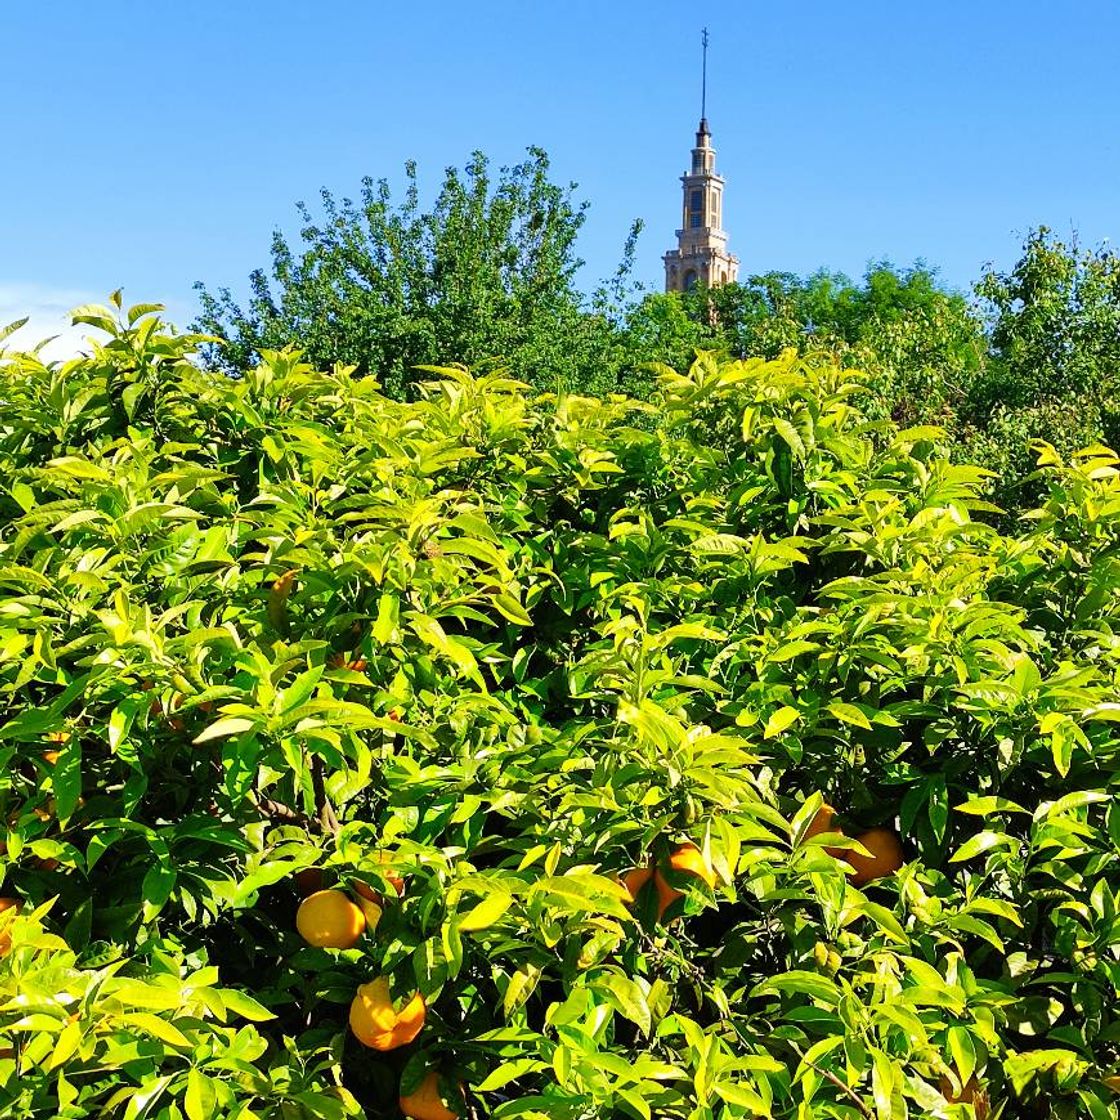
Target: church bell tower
{"points": [[701, 256]]}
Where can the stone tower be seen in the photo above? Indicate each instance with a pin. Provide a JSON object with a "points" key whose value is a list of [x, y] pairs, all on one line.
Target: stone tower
{"points": [[701, 255]]}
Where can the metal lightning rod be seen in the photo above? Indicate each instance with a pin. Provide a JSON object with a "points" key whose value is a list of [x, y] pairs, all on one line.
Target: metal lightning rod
{"points": [[704, 79]]}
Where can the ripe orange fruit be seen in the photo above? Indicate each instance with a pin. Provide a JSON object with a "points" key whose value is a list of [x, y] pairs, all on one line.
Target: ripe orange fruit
{"points": [[372, 912], [377, 1024], [426, 1103], [370, 901], [5, 936], [972, 1093], [395, 881], [635, 879], [822, 822], [825, 821], [689, 859], [329, 920], [885, 859], [666, 895]]}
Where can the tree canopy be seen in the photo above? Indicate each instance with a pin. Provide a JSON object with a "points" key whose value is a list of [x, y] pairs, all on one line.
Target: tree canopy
{"points": [[486, 275]]}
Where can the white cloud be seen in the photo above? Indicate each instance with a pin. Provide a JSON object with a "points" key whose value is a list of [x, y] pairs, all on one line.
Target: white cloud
{"points": [[47, 311]]}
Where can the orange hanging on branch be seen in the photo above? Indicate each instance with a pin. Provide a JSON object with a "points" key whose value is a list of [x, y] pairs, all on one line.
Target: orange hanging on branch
{"points": [[329, 920], [376, 1023], [426, 1102]]}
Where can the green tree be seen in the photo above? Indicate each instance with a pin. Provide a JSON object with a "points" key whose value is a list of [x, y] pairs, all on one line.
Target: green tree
{"points": [[924, 346], [1055, 324], [761, 316], [1054, 367], [486, 275], [665, 328]]}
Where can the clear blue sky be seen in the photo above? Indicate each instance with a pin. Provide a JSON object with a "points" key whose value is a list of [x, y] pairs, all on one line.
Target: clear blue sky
{"points": [[150, 144]]}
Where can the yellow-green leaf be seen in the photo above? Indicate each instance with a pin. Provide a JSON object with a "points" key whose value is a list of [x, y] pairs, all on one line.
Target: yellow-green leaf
{"points": [[781, 720], [486, 913]]}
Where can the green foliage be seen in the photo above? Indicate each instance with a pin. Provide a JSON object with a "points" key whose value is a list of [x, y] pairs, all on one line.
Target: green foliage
{"points": [[1038, 357], [510, 646], [664, 328], [1054, 368], [1055, 323], [923, 347], [486, 274]]}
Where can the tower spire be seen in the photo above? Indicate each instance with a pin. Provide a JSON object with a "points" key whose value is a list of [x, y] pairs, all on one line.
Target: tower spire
{"points": [[704, 76], [701, 256]]}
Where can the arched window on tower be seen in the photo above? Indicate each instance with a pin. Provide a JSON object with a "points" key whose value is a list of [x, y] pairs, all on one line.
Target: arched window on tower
{"points": [[690, 280], [695, 209]]}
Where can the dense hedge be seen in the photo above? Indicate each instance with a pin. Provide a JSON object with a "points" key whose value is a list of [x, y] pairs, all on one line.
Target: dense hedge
{"points": [[507, 648]]}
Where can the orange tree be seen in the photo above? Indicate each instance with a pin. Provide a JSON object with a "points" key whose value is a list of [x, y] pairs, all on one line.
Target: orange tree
{"points": [[472, 660]]}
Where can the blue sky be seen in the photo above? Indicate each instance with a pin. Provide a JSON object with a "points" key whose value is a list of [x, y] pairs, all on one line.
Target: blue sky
{"points": [[151, 144]]}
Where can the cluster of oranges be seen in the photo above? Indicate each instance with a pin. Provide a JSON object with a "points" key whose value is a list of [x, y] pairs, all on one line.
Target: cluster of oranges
{"points": [[687, 859], [885, 851], [332, 919]]}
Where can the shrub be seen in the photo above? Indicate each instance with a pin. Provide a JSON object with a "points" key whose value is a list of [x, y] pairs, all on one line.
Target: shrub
{"points": [[485, 653]]}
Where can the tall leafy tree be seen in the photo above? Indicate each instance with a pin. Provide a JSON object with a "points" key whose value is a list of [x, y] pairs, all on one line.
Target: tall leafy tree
{"points": [[1054, 366], [1055, 320], [486, 275]]}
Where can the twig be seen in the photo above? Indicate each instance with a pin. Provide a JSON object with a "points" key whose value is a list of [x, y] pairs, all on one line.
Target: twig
{"points": [[281, 812], [850, 1093], [328, 822]]}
